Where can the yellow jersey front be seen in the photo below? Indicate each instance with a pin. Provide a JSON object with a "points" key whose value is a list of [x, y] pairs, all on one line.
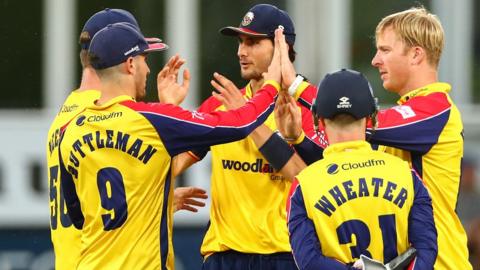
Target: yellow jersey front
{"points": [[65, 237], [248, 196]]}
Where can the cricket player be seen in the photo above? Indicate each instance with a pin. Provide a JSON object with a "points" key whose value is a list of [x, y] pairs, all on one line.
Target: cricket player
{"points": [[65, 238], [116, 155], [243, 183], [425, 128], [355, 201]]}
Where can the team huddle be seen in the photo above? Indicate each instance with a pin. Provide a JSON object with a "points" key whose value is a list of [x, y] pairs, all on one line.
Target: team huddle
{"points": [[303, 176]]}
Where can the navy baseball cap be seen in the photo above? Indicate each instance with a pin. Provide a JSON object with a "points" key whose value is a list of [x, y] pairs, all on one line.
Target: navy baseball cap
{"points": [[110, 16], [117, 42], [344, 91], [261, 21]]}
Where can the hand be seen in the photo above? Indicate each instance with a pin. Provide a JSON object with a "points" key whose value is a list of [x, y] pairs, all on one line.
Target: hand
{"points": [[287, 68], [358, 264], [274, 70], [169, 91], [184, 198], [228, 95], [288, 116]]}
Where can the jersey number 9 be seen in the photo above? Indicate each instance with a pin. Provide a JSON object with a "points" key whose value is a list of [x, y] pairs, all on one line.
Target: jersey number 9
{"points": [[112, 196]]}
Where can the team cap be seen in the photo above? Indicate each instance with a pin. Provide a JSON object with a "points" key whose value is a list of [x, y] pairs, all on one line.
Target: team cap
{"points": [[117, 42], [108, 16], [261, 21], [344, 91]]}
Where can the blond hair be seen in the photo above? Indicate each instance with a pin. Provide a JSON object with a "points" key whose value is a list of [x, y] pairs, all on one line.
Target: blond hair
{"points": [[416, 27]]}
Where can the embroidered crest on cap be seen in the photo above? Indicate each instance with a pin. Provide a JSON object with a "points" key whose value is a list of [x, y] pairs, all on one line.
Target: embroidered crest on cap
{"points": [[247, 19]]}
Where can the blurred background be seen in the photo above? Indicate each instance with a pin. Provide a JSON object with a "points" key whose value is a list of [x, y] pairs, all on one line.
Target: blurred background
{"points": [[40, 66]]}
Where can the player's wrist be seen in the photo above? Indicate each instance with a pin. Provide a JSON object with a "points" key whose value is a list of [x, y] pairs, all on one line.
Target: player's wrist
{"points": [[273, 83], [295, 139], [292, 89]]}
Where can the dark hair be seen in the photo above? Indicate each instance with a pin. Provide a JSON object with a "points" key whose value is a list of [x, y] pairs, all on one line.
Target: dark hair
{"points": [[84, 57], [92, 58]]}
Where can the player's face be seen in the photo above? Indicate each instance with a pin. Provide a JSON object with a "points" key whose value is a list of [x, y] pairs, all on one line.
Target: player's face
{"points": [[141, 76], [255, 55], [392, 61]]}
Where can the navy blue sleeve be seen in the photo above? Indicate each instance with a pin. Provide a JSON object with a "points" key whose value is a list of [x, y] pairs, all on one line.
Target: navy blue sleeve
{"points": [[200, 153], [306, 247], [181, 130], [309, 151], [421, 226], [414, 126]]}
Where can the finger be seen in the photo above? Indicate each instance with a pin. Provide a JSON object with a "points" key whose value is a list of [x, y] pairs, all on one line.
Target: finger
{"points": [[189, 208], [276, 49], [186, 79], [219, 89], [199, 195], [176, 66], [291, 109], [198, 190], [225, 82], [163, 73], [194, 202], [219, 97], [283, 48], [171, 62], [179, 63]]}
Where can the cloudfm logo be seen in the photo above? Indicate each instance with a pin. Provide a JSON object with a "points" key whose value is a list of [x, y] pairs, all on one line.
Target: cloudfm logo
{"points": [[332, 168]]}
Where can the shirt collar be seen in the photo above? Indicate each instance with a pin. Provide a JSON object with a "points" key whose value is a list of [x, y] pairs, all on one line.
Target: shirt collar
{"points": [[425, 90], [248, 91], [111, 102], [347, 147]]}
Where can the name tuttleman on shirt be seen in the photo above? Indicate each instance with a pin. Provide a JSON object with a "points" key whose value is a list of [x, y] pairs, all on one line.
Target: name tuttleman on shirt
{"points": [[112, 139]]}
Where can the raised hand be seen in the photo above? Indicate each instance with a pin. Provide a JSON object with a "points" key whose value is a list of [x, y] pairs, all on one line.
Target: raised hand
{"points": [[288, 116], [274, 70], [228, 93], [287, 68], [168, 88], [187, 198]]}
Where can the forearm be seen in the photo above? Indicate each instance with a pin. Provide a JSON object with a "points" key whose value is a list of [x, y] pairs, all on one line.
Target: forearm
{"points": [[181, 162], [277, 152], [308, 150]]}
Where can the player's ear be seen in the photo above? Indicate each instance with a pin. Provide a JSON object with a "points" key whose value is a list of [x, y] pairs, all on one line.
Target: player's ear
{"points": [[129, 65], [418, 55]]}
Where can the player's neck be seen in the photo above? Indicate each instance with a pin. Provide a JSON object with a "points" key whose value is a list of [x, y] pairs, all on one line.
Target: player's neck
{"points": [[255, 85], [345, 133], [419, 79], [115, 87], [89, 80]]}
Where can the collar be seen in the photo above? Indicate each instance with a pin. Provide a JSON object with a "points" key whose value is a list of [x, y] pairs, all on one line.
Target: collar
{"points": [[111, 102], [248, 91], [361, 146], [425, 90]]}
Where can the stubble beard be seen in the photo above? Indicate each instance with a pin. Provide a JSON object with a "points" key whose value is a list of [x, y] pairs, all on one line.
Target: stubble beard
{"points": [[251, 75]]}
